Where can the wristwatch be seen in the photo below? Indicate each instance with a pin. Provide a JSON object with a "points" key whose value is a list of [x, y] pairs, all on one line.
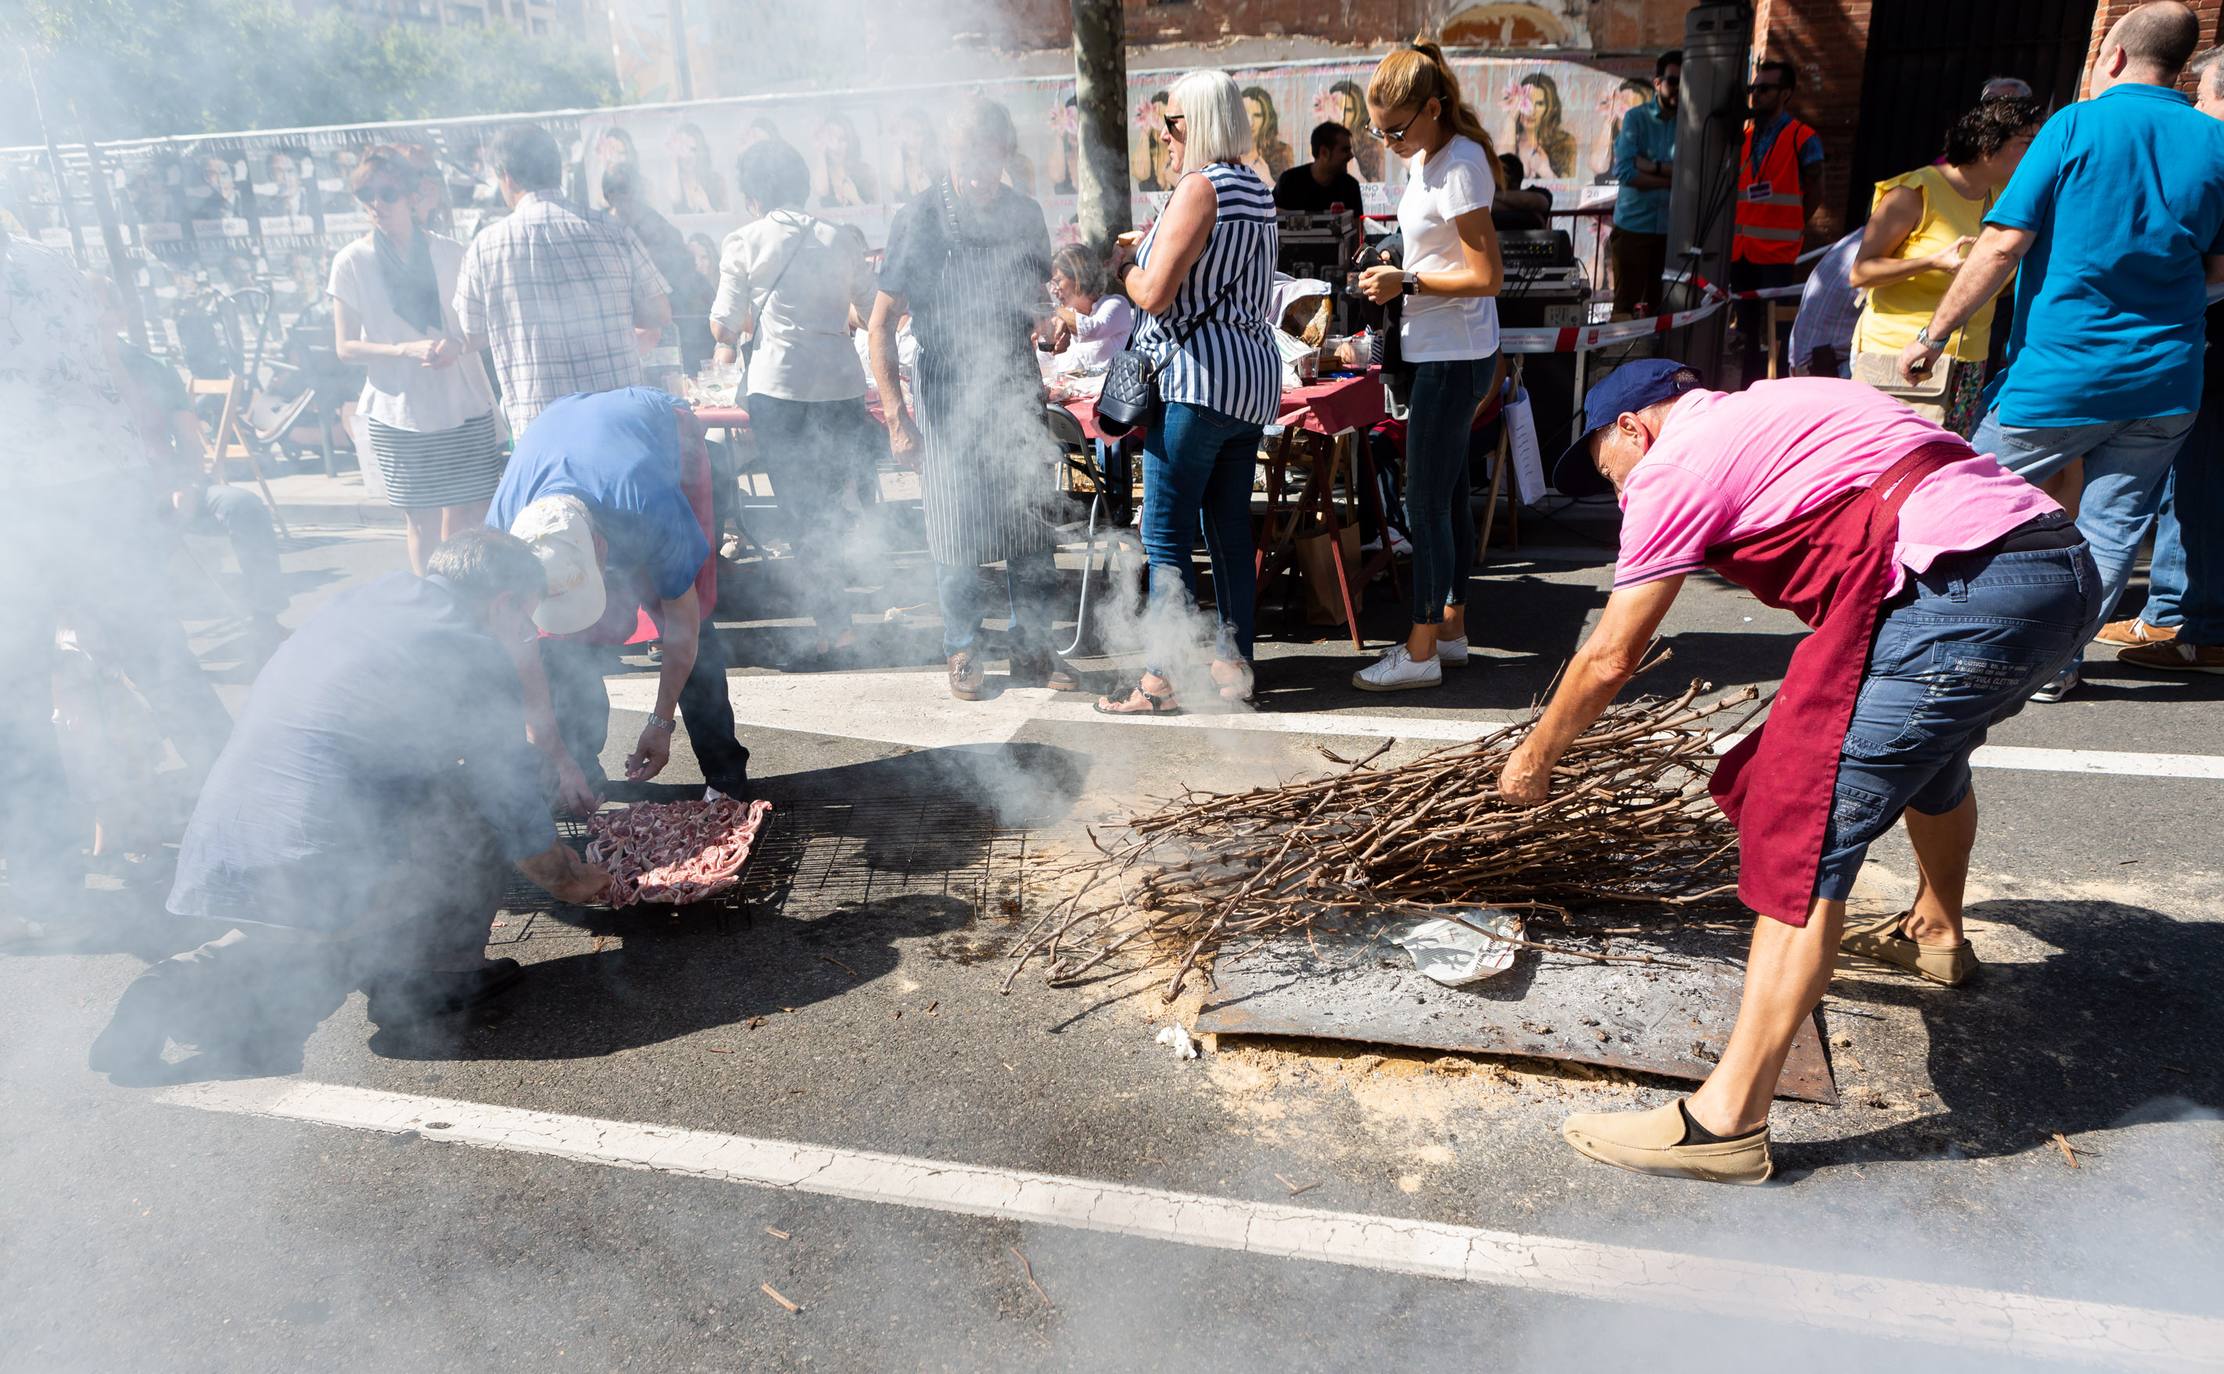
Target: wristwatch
{"points": [[657, 722], [1412, 284], [1923, 337]]}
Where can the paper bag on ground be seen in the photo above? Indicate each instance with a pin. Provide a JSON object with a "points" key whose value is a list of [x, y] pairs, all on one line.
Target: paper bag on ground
{"points": [[1324, 602]]}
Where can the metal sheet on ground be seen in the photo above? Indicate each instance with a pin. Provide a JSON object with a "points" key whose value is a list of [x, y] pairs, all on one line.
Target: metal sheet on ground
{"points": [[1659, 1019]]}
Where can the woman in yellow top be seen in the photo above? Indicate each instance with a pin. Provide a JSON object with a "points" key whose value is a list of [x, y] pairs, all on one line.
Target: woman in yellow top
{"points": [[1920, 228]]}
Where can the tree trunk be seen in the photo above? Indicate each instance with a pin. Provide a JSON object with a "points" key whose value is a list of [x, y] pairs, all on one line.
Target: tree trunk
{"points": [[1100, 78]]}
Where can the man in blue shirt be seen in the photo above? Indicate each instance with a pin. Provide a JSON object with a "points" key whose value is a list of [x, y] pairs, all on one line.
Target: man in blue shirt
{"points": [[2117, 219], [360, 828], [595, 487], [1644, 164]]}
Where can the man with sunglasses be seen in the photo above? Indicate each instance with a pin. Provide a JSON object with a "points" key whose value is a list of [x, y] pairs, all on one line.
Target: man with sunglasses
{"points": [[1940, 589], [1779, 194]]}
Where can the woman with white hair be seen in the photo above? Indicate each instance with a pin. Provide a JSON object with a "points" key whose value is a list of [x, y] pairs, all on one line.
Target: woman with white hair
{"points": [[1202, 278]]}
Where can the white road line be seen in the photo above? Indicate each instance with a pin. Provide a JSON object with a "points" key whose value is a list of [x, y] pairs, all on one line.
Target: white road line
{"points": [[912, 709], [2013, 1324]]}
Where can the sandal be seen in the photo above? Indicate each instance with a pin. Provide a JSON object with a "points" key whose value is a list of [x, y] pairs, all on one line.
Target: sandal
{"points": [[1882, 939], [1153, 704]]}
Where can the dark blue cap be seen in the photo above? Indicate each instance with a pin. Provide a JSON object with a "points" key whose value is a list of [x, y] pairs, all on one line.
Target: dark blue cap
{"points": [[1630, 387]]}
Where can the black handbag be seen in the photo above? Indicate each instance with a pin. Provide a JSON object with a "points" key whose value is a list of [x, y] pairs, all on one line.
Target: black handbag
{"points": [[1130, 399]]}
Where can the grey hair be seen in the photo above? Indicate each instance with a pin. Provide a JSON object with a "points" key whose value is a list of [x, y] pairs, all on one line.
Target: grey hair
{"points": [[983, 125], [1219, 127], [481, 564], [2205, 65]]}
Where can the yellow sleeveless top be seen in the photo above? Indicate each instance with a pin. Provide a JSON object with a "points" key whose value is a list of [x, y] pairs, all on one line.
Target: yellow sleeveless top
{"points": [[1893, 314]]}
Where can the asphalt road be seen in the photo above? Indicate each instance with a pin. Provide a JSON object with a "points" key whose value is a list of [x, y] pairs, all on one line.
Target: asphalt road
{"points": [[1933, 1216]]}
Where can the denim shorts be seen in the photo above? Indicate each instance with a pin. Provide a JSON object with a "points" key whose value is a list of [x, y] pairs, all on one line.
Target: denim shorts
{"points": [[1960, 647]]}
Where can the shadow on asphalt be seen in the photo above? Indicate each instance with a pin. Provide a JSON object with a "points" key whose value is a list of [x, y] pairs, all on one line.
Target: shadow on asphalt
{"points": [[2117, 1024], [872, 854]]}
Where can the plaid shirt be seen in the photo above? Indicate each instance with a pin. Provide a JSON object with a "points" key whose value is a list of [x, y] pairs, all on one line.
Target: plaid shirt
{"points": [[555, 293]]}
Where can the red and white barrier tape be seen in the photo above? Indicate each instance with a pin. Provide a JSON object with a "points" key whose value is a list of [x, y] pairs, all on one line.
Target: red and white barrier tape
{"points": [[1584, 338]]}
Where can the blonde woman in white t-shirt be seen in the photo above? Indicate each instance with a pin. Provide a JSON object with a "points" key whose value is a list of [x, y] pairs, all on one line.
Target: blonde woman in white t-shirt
{"points": [[1450, 281], [426, 401]]}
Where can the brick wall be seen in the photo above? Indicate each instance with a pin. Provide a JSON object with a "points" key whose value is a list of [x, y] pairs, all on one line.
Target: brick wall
{"points": [[1828, 41], [1619, 27], [2109, 11]]}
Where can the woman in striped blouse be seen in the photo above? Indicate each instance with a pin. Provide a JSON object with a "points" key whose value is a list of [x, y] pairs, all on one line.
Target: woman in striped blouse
{"points": [[1202, 279]]}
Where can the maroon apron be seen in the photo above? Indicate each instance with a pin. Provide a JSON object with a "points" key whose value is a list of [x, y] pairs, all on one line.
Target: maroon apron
{"points": [[1829, 567]]}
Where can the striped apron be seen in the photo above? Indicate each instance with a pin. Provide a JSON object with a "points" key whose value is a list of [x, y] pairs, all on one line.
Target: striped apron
{"points": [[989, 470]]}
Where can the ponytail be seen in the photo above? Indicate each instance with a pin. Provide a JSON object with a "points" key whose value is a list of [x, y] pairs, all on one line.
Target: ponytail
{"points": [[1418, 73]]}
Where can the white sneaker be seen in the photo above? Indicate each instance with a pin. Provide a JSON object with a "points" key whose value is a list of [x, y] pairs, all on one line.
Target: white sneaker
{"points": [[1452, 653], [1396, 671]]}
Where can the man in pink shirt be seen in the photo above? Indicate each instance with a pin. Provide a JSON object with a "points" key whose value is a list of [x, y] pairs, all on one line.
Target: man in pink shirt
{"points": [[1941, 591]]}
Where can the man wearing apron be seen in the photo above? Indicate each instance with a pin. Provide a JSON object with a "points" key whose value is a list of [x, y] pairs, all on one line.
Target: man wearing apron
{"points": [[969, 260], [1941, 590]]}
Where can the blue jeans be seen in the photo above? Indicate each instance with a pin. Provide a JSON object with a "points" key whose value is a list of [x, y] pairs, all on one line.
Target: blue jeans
{"points": [[1030, 581], [2125, 462], [1962, 647], [2185, 585], [1439, 517], [1197, 469]]}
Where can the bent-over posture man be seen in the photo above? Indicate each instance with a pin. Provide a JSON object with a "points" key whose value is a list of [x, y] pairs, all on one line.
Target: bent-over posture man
{"points": [[596, 487], [361, 826], [1940, 589]]}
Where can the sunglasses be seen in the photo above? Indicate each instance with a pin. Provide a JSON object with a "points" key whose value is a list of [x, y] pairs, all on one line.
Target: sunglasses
{"points": [[1394, 135], [1174, 124], [1762, 87], [384, 195]]}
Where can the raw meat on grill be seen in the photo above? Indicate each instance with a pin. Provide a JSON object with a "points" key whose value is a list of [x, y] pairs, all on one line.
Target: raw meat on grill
{"points": [[674, 852]]}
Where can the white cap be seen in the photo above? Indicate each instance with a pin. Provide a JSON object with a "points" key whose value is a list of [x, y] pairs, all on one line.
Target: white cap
{"points": [[563, 538]]}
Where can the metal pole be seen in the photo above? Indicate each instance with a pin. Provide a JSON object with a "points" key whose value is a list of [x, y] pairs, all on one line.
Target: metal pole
{"points": [[120, 263], [1100, 103], [53, 159], [676, 11]]}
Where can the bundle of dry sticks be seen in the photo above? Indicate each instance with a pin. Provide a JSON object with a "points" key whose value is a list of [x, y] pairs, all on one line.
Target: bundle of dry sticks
{"points": [[1629, 819]]}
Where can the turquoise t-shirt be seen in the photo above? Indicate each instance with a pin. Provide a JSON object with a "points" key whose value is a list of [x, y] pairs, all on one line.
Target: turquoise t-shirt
{"points": [[2125, 195]]}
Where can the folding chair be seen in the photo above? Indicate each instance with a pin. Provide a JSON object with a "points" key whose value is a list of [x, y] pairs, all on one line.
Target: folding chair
{"points": [[1111, 504], [1317, 461], [231, 442], [1780, 317]]}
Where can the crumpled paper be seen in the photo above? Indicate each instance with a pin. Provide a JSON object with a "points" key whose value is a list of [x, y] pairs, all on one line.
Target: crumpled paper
{"points": [[1455, 954]]}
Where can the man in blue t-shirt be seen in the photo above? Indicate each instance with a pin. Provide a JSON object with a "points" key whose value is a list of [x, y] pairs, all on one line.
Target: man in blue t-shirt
{"points": [[1645, 165], [595, 488], [2116, 217], [362, 824]]}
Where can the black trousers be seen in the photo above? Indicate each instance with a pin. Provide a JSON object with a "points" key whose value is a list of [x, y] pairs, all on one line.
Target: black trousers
{"points": [[582, 705], [256, 991]]}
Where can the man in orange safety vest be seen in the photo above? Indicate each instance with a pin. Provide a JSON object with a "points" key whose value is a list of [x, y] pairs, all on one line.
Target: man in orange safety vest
{"points": [[1779, 194]]}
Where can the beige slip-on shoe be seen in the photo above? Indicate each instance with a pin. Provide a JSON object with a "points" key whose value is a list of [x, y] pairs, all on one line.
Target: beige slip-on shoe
{"points": [[1880, 939], [1650, 1143]]}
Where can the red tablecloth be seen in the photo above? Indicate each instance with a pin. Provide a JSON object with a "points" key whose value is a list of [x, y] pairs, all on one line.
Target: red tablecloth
{"points": [[1328, 406]]}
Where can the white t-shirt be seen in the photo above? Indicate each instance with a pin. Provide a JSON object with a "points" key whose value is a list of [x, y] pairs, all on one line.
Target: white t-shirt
{"points": [[1098, 335], [1439, 188], [799, 277], [400, 392]]}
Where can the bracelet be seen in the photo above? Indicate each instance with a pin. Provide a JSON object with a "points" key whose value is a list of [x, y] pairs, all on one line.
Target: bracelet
{"points": [[657, 722]]}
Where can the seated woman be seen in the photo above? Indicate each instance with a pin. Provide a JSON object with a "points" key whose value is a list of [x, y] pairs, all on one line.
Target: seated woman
{"points": [[1919, 230], [1094, 321]]}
